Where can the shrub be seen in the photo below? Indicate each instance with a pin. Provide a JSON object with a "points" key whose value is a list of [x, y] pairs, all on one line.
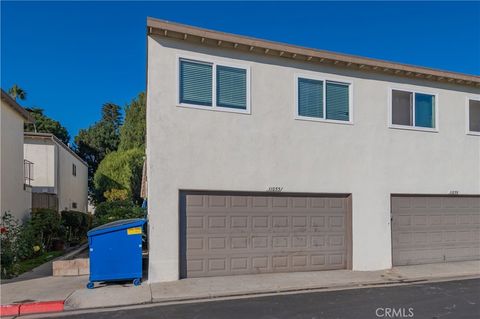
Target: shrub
{"points": [[76, 225], [115, 195], [110, 211], [29, 242], [46, 224], [9, 229], [120, 170], [21, 242]]}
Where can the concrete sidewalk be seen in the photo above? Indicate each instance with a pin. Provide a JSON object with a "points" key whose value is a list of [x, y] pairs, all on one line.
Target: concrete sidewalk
{"points": [[41, 289], [217, 287]]}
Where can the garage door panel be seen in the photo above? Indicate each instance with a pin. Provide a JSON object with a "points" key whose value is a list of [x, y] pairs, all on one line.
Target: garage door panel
{"points": [[434, 229], [264, 264], [230, 234]]}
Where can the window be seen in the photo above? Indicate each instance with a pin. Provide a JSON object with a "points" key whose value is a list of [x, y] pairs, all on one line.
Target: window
{"points": [[413, 109], [323, 100], [74, 170], [473, 116], [74, 205], [195, 83], [27, 172], [231, 87], [213, 86]]}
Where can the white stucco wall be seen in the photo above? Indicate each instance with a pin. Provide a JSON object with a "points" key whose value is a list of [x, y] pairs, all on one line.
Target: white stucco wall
{"points": [[43, 154], [72, 189], [212, 150], [53, 173], [13, 197]]}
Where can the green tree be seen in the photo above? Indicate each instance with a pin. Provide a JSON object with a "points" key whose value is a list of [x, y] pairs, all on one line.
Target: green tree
{"points": [[107, 212], [120, 170], [101, 138], [111, 114], [17, 92], [133, 130], [44, 124]]}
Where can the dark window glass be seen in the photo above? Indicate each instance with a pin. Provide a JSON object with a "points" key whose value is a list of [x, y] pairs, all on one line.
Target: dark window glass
{"points": [[474, 116], [402, 108]]}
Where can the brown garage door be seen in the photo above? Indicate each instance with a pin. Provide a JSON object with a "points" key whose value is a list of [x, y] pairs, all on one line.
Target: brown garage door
{"points": [[435, 229], [243, 234]]}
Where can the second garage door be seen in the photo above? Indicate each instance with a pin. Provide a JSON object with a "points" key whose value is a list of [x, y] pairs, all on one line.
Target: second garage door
{"points": [[433, 229], [229, 234]]}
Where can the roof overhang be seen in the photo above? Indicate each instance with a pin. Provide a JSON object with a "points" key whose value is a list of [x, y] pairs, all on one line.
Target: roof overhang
{"points": [[7, 99], [275, 49], [56, 140]]}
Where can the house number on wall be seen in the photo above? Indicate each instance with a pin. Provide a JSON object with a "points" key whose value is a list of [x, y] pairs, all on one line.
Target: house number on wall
{"points": [[275, 189]]}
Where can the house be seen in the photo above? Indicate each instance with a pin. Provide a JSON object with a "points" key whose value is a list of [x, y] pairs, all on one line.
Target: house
{"points": [[60, 178], [268, 157], [15, 192]]}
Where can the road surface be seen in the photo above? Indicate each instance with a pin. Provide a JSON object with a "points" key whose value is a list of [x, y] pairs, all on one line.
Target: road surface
{"points": [[454, 299]]}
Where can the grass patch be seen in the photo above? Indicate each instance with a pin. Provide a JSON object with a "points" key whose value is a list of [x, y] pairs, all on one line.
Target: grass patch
{"points": [[29, 264]]}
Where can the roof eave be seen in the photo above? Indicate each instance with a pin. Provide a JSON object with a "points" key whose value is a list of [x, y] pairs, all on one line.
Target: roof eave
{"points": [[17, 107], [248, 44]]}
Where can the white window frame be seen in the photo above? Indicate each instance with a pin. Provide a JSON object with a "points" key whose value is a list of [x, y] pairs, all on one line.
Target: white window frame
{"points": [[213, 63], [413, 127], [467, 114], [324, 80]]}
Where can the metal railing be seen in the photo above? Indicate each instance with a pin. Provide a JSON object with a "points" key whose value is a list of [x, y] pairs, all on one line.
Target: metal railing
{"points": [[28, 172]]}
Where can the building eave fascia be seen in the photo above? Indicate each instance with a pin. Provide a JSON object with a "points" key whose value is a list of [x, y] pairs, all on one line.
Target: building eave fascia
{"points": [[224, 40], [7, 99]]}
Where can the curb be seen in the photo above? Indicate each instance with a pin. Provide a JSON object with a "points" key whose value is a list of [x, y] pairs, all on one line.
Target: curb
{"points": [[46, 307], [31, 307]]}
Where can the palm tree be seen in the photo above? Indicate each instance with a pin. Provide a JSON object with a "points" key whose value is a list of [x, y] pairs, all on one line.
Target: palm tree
{"points": [[17, 92]]}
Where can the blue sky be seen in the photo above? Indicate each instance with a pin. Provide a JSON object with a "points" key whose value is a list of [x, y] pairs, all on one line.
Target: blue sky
{"points": [[71, 57]]}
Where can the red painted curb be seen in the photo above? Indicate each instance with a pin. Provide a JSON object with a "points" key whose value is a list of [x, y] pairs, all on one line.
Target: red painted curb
{"points": [[9, 310], [44, 306], [31, 307]]}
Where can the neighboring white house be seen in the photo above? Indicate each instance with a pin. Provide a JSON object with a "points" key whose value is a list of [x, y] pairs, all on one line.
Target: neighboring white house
{"points": [[267, 157], [60, 178], [15, 191]]}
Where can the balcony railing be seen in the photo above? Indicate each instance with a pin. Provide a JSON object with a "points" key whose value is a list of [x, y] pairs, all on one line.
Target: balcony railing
{"points": [[28, 172]]}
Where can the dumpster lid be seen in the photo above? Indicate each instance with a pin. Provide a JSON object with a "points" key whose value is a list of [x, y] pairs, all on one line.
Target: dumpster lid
{"points": [[117, 225]]}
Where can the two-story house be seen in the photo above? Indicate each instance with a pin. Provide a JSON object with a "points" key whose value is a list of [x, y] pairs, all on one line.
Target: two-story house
{"points": [[15, 191], [267, 157], [60, 178]]}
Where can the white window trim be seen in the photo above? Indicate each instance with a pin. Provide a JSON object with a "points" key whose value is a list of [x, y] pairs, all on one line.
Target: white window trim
{"points": [[467, 115], [214, 64], [297, 116], [413, 127]]}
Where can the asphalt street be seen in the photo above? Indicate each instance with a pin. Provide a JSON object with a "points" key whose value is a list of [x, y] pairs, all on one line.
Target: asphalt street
{"points": [[453, 299]]}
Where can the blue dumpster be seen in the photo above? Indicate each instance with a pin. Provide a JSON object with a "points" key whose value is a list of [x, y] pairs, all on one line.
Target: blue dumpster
{"points": [[116, 251]]}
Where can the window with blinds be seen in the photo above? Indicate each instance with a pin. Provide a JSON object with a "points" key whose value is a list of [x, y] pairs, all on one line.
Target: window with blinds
{"points": [[213, 86], [424, 110], [324, 100], [413, 109], [195, 83], [310, 98], [337, 101], [231, 87]]}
